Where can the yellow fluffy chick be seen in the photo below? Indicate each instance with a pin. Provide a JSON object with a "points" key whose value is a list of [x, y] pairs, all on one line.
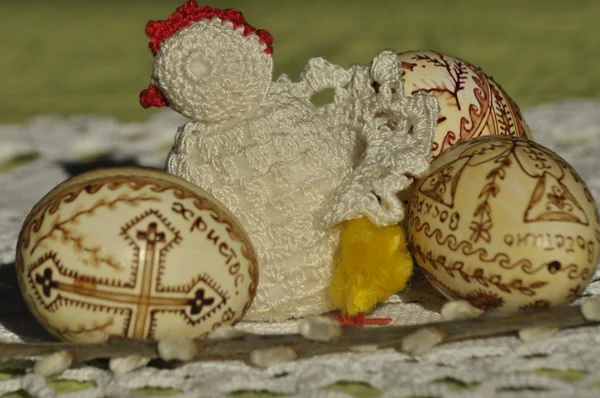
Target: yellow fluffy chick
{"points": [[373, 263]]}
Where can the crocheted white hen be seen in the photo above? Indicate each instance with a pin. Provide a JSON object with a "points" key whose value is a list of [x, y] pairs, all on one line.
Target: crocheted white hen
{"points": [[261, 148]]}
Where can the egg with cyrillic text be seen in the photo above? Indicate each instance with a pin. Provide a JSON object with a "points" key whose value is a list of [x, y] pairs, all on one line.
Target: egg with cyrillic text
{"points": [[506, 224], [134, 252]]}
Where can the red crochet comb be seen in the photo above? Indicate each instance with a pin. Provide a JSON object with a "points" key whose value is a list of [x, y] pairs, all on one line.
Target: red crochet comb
{"points": [[189, 12], [159, 31]]}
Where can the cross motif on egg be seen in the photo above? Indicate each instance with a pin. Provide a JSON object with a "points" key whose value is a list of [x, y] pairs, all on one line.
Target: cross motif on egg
{"points": [[143, 255]]}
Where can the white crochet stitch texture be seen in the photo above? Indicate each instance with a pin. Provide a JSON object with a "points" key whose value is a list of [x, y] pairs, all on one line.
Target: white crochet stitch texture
{"points": [[564, 365], [222, 81], [290, 172]]}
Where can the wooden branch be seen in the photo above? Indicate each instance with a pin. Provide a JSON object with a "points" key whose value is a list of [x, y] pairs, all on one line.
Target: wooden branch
{"points": [[350, 339]]}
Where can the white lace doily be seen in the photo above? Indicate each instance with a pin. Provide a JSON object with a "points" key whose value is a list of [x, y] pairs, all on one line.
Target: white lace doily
{"points": [[48, 149]]}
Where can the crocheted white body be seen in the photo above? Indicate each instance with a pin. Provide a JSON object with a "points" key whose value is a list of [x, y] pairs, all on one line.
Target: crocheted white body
{"points": [[290, 172], [275, 172]]}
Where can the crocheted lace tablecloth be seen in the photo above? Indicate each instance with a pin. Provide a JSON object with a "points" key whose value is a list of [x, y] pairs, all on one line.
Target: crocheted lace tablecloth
{"points": [[37, 155]]}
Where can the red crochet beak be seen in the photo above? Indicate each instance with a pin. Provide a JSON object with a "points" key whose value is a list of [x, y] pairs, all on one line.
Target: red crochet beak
{"points": [[152, 96]]}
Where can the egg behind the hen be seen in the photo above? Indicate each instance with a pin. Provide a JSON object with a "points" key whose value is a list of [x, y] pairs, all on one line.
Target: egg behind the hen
{"points": [[506, 224], [133, 252], [472, 104]]}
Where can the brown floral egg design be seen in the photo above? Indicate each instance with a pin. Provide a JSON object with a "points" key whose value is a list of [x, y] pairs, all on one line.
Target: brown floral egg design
{"points": [[472, 104], [506, 224], [136, 253]]}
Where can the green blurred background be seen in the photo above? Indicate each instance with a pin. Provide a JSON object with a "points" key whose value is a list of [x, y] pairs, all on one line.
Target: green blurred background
{"points": [[81, 56]]}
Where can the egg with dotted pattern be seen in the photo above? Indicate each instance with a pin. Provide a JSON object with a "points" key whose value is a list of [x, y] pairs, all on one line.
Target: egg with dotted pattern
{"points": [[133, 252], [505, 224]]}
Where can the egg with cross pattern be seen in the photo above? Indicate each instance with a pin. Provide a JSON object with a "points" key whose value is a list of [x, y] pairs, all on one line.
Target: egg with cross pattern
{"points": [[133, 252]]}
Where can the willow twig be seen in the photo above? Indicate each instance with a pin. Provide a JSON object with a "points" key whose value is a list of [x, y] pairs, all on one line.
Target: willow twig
{"points": [[350, 339]]}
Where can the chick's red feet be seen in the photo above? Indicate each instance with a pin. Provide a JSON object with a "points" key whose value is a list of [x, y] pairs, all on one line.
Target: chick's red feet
{"points": [[361, 320]]}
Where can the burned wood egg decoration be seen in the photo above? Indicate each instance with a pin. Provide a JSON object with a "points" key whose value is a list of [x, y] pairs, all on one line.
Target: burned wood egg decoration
{"points": [[506, 224], [133, 252], [472, 104]]}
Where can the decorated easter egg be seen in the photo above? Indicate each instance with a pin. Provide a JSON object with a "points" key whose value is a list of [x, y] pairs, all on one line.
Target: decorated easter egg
{"points": [[506, 224], [472, 104], [133, 252]]}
